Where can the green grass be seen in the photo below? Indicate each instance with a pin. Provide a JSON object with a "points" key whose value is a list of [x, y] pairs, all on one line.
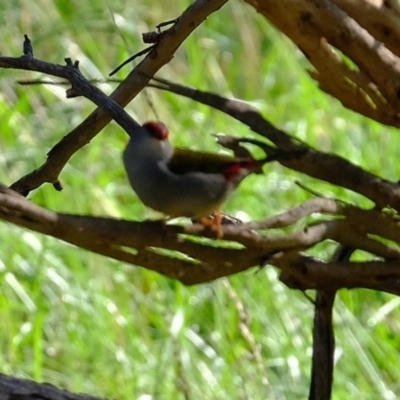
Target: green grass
{"points": [[90, 324]]}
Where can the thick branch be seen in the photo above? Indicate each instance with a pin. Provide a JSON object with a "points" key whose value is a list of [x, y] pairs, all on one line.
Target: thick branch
{"points": [[380, 18], [22, 389], [304, 272], [323, 346], [324, 337], [321, 27], [168, 250]]}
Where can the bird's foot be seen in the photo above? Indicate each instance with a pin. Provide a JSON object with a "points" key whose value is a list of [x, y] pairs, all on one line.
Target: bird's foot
{"points": [[213, 222], [216, 220]]}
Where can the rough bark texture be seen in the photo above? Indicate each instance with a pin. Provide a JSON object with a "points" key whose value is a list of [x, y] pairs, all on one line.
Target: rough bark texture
{"points": [[367, 32], [23, 389], [353, 48]]}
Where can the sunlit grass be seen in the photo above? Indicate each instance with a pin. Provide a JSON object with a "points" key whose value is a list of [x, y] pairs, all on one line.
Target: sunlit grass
{"points": [[90, 324]]}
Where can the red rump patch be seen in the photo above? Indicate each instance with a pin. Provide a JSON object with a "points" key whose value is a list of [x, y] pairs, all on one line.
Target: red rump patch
{"points": [[157, 130], [238, 167]]}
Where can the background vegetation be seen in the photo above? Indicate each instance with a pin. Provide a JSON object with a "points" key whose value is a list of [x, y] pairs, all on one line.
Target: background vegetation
{"points": [[90, 324]]}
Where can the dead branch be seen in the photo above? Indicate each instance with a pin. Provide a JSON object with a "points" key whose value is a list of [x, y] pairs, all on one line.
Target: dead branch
{"points": [[22, 389], [365, 31], [327, 167], [304, 272], [162, 53], [323, 346], [325, 31], [145, 244], [172, 251], [324, 337]]}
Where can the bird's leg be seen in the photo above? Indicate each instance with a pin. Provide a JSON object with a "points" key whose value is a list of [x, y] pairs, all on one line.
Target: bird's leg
{"points": [[214, 223], [218, 223]]}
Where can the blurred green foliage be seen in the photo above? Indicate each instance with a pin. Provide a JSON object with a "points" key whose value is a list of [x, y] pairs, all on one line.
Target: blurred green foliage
{"points": [[90, 324]]}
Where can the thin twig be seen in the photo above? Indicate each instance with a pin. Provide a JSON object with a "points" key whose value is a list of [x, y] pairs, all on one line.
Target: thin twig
{"points": [[327, 167], [60, 154]]}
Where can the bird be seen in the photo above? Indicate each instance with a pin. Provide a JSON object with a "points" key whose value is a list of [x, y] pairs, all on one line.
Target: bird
{"points": [[181, 182]]}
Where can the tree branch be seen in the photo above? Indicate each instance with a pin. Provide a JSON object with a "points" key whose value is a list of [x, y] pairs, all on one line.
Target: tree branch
{"points": [[172, 250], [324, 337], [327, 167], [161, 54], [22, 389], [325, 29]]}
